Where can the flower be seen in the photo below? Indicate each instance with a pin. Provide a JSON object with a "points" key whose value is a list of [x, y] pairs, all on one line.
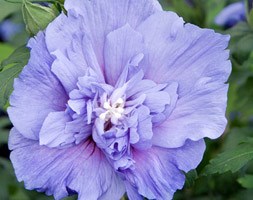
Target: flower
{"points": [[231, 15], [117, 97], [8, 30]]}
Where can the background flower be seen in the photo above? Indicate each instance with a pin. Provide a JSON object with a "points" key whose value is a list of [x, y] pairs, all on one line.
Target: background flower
{"points": [[231, 15]]}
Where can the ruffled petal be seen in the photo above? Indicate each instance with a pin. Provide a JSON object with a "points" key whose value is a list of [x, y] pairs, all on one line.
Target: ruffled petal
{"points": [[37, 92], [67, 71], [82, 169], [52, 133], [196, 115], [132, 193], [143, 129], [158, 171], [100, 17], [177, 50], [121, 46], [75, 54]]}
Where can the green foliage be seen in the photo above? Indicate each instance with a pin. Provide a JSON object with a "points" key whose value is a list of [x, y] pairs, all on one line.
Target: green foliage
{"points": [[191, 176], [37, 17], [246, 181], [230, 160], [4, 123], [7, 8], [5, 50], [10, 69]]}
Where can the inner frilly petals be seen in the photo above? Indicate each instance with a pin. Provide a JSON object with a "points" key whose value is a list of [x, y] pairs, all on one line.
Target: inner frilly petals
{"points": [[52, 133], [58, 130], [172, 91], [122, 115], [143, 128], [131, 69]]}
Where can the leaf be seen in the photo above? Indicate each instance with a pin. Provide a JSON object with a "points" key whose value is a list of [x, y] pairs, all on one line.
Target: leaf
{"points": [[230, 160], [191, 176], [244, 99], [10, 69], [246, 181], [19, 56], [4, 122], [242, 195], [37, 17], [7, 9], [237, 136], [5, 51], [6, 83], [239, 30], [6, 177], [250, 19], [212, 9]]}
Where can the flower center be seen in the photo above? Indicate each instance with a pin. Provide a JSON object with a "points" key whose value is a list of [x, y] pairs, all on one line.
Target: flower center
{"points": [[114, 110]]}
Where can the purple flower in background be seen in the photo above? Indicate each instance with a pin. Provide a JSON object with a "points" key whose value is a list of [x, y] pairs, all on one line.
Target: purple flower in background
{"points": [[8, 30], [117, 97], [231, 15]]}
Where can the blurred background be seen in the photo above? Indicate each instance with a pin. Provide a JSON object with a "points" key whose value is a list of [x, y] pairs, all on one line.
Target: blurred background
{"points": [[229, 175]]}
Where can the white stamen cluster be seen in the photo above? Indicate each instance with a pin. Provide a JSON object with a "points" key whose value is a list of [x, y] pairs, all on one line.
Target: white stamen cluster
{"points": [[115, 110]]}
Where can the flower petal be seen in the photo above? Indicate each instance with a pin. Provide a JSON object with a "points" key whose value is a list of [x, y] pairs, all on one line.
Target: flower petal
{"points": [[196, 115], [144, 128], [100, 17], [37, 91], [231, 14], [75, 54], [132, 193], [58, 131], [66, 71], [81, 169], [121, 46], [176, 49], [158, 171]]}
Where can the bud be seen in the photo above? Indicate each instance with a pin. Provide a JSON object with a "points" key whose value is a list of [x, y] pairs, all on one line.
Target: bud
{"points": [[37, 17]]}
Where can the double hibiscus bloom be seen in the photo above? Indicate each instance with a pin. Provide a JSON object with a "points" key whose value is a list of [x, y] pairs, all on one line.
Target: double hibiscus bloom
{"points": [[117, 97]]}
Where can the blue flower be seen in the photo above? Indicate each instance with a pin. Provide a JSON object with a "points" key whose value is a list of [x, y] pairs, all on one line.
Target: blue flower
{"points": [[8, 30], [231, 15], [117, 97]]}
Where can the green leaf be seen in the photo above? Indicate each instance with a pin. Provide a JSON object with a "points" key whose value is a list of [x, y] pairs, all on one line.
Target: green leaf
{"points": [[10, 69], [250, 19], [246, 181], [6, 83], [7, 9], [4, 122], [5, 50], [37, 17], [244, 100], [231, 160], [237, 136], [212, 9], [20, 56], [239, 30], [191, 176]]}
